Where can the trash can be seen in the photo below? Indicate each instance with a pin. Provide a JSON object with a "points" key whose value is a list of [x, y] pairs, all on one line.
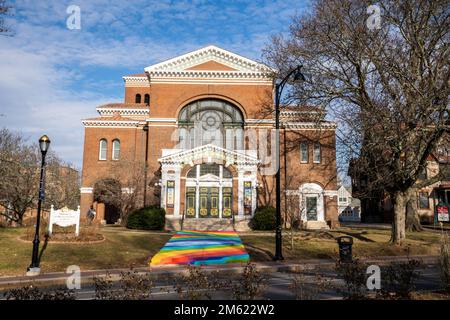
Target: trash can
{"points": [[345, 248]]}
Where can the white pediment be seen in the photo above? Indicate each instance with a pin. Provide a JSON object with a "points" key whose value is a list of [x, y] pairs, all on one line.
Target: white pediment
{"points": [[208, 154], [231, 63]]}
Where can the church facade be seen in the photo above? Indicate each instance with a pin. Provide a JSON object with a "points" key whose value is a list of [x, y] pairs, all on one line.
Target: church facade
{"points": [[199, 131]]}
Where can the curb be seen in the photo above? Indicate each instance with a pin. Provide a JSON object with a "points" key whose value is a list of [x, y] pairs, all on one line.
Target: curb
{"points": [[312, 264]]}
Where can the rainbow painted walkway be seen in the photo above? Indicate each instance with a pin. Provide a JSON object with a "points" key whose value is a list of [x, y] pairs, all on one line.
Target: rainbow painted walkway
{"points": [[201, 248]]}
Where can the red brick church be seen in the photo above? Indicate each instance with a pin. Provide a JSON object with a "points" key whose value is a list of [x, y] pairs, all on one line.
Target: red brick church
{"points": [[200, 126]]}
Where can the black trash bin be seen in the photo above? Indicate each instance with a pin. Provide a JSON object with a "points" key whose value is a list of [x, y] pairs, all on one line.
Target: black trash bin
{"points": [[345, 248]]}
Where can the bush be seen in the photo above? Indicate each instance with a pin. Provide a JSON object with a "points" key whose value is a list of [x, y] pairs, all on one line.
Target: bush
{"points": [[148, 218], [264, 218]]}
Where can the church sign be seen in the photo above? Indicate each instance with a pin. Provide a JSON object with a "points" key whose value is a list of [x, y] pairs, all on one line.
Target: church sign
{"points": [[64, 217]]}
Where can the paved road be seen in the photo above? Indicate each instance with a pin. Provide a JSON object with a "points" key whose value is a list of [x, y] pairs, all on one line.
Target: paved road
{"points": [[277, 286]]}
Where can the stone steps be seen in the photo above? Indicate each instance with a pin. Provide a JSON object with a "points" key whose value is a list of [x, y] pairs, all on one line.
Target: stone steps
{"points": [[316, 225], [204, 224]]}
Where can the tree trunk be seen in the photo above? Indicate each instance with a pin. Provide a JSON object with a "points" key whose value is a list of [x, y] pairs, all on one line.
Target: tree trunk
{"points": [[412, 214], [398, 226]]}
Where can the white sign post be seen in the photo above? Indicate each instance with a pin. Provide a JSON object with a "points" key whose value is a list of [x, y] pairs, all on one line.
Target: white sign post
{"points": [[64, 217]]}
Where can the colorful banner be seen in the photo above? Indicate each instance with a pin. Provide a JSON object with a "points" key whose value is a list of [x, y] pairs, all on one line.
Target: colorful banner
{"points": [[248, 197], [170, 194]]}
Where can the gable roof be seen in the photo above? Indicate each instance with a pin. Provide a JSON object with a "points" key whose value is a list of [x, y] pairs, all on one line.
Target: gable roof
{"points": [[209, 151], [210, 62]]}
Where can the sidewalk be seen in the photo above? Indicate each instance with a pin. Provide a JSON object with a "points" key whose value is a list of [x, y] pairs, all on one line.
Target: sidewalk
{"points": [[286, 266]]}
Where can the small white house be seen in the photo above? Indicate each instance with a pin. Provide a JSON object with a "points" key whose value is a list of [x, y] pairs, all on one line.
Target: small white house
{"points": [[349, 208]]}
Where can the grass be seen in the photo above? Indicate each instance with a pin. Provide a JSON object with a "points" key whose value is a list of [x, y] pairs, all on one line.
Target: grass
{"points": [[119, 250], [123, 248], [323, 245]]}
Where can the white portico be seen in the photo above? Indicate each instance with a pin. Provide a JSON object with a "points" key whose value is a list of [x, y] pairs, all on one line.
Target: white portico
{"points": [[208, 182]]}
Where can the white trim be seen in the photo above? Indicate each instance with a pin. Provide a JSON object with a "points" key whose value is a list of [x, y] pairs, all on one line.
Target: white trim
{"points": [[260, 121], [209, 150], [86, 190], [311, 190], [116, 123], [110, 127], [205, 54], [177, 80], [310, 125], [174, 120], [105, 111]]}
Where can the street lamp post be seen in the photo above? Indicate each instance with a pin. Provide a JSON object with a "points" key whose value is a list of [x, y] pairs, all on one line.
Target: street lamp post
{"points": [[278, 91], [33, 269]]}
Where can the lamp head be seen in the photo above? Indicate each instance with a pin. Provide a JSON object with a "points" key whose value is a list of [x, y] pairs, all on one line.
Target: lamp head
{"points": [[298, 75], [44, 143]]}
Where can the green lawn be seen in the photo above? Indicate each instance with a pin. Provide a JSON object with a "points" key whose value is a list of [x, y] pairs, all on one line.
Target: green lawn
{"points": [[123, 248], [322, 244], [119, 250]]}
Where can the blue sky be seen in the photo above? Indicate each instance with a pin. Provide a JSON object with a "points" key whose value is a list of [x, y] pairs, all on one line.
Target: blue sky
{"points": [[52, 77]]}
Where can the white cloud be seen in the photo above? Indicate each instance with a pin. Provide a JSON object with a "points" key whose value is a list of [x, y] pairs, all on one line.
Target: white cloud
{"points": [[44, 87]]}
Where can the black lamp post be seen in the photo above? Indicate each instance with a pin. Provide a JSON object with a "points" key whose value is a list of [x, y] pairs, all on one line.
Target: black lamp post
{"points": [[33, 269], [278, 90]]}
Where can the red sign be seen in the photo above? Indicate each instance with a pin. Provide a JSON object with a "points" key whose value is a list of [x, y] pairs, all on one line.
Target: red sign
{"points": [[442, 213]]}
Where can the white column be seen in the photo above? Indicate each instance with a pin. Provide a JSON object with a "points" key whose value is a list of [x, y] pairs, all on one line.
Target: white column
{"points": [[240, 192], [220, 191], [197, 193], [176, 209], [254, 191], [163, 186]]}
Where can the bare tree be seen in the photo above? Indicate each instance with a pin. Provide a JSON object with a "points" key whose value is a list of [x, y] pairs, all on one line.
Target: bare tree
{"points": [[5, 10], [387, 86], [19, 169]]}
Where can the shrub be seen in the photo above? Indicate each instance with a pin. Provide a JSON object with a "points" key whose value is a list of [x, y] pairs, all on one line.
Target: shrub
{"points": [[148, 218], [354, 275], [33, 293], [400, 280], [264, 218]]}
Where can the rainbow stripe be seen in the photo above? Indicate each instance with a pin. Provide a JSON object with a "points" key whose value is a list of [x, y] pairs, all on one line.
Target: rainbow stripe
{"points": [[202, 248]]}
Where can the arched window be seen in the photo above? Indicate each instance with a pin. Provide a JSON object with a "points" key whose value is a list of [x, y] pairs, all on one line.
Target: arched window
{"points": [[147, 99], [103, 148], [116, 149], [138, 98], [212, 121], [316, 153], [192, 173], [213, 169]]}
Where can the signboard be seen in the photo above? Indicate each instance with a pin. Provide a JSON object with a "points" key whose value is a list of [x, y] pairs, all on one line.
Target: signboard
{"points": [[442, 213], [64, 217], [170, 194], [248, 197]]}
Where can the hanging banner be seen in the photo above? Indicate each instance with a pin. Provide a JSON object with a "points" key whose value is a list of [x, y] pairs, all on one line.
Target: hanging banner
{"points": [[247, 197], [170, 194]]}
